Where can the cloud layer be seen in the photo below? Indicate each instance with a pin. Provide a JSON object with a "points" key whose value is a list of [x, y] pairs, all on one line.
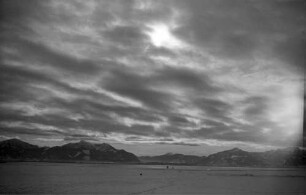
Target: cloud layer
{"points": [[197, 73]]}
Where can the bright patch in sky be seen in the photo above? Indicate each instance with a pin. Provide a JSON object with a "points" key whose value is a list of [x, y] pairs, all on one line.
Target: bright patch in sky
{"points": [[161, 36]]}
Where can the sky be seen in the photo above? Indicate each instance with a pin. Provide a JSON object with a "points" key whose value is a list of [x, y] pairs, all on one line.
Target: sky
{"points": [[151, 77]]}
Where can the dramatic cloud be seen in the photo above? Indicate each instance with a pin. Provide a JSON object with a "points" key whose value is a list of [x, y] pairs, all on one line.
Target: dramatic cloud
{"points": [[153, 75]]}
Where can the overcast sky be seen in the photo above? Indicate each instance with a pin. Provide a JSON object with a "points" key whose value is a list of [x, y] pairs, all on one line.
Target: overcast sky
{"points": [[152, 77]]}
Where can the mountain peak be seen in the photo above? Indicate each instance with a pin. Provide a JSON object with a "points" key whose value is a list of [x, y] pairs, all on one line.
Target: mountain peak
{"points": [[169, 154], [105, 147], [236, 150], [81, 144], [16, 143], [14, 140]]}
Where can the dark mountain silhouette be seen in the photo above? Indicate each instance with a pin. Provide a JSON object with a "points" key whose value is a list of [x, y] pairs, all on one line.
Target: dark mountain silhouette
{"points": [[171, 158], [15, 149]]}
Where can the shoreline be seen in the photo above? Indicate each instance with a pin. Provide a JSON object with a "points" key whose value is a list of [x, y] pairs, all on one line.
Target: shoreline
{"points": [[171, 166]]}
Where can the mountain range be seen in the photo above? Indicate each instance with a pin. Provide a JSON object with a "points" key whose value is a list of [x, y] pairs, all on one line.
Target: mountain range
{"points": [[236, 157], [17, 150]]}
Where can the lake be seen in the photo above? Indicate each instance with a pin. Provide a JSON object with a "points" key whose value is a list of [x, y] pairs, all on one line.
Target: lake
{"points": [[36, 177]]}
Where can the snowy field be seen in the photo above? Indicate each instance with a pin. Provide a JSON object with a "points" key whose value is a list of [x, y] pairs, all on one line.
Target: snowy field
{"points": [[147, 179]]}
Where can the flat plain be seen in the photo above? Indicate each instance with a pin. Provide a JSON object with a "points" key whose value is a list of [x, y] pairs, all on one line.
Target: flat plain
{"points": [[72, 178]]}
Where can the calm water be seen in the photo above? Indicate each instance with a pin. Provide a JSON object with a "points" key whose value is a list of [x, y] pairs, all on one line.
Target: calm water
{"points": [[155, 179]]}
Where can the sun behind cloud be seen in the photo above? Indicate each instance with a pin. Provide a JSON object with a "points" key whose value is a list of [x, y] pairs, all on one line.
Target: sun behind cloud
{"points": [[161, 36]]}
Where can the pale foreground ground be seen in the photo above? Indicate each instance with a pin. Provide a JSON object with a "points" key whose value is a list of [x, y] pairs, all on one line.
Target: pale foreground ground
{"points": [[126, 179]]}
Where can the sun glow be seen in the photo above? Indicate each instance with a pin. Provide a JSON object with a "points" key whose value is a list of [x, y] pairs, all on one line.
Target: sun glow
{"points": [[161, 36]]}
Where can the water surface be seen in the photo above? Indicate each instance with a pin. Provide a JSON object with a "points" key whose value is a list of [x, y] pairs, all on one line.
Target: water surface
{"points": [[147, 179]]}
